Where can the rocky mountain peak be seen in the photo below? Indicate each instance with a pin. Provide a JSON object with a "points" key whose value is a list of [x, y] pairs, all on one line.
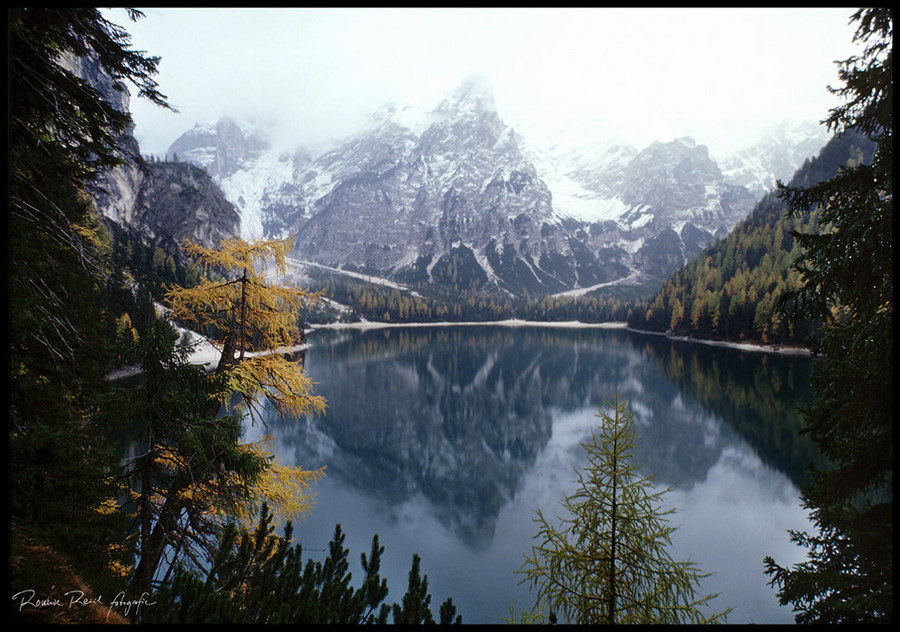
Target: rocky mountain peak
{"points": [[674, 176], [222, 147], [776, 155], [467, 121], [176, 201], [676, 151], [157, 200], [475, 96]]}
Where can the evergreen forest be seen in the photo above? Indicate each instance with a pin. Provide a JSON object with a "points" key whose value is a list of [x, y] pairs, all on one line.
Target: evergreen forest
{"points": [[423, 304]]}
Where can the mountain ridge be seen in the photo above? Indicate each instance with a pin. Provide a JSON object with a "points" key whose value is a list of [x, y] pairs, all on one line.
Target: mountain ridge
{"points": [[458, 190]]}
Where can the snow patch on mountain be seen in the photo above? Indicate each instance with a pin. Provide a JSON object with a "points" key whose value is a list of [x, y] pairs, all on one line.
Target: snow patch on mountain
{"points": [[581, 161], [413, 118], [775, 155], [631, 246], [249, 188], [642, 220]]}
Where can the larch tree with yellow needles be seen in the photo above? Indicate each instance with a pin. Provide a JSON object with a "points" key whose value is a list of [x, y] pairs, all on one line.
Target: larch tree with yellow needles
{"points": [[251, 321], [196, 471], [254, 323]]}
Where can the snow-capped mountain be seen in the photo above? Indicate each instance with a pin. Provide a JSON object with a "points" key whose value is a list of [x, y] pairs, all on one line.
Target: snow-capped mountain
{"points": [[455, 197], [585, 176], [240, 160], [775, 156], [650, 210], [457, 204]]}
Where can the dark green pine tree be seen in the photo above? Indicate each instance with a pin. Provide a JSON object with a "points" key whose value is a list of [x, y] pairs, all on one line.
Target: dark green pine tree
{"points": [[61, 133], [848, 284], [261, 578], [191, 466], [415, 607]]}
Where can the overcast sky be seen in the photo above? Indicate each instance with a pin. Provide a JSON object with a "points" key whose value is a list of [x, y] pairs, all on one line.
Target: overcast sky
{"points": [[644, 74]]}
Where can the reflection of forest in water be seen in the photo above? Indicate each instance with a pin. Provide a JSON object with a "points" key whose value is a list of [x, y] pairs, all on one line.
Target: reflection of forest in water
{"points": [[756, 394], [460, 414]]}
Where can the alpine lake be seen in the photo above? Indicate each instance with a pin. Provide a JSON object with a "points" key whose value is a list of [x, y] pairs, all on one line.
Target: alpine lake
{"points": [[446, 440]]}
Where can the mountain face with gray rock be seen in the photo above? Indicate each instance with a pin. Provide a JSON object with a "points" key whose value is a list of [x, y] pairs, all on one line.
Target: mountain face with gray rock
{"points": [[455, 197], [157, 200], [454, 202], [675, 203], [168, 200]]}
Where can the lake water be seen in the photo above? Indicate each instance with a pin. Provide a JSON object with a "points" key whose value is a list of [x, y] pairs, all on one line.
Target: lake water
{"points": [[445, 440]]}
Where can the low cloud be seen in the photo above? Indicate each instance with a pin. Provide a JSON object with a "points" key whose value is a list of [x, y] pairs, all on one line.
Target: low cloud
{"points": [[649, 74]]}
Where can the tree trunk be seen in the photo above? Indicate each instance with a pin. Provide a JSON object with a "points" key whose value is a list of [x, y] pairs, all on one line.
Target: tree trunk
{"points": [[152, 550], [227, 357]]}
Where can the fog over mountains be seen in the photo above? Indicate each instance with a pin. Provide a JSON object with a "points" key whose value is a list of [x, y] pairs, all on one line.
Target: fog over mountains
{"points": [[456, 197]]}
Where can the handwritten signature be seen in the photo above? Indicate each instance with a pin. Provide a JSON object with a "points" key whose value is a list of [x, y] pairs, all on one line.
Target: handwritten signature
{"points": [[73, 598]]}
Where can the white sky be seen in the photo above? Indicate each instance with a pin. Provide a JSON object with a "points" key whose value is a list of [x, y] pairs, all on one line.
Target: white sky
{"points": [[644, 74]]}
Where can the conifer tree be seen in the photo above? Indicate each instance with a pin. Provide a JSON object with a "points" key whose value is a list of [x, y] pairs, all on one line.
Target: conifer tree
{"points": [[415, 607], [608, 561], [62, 133], [244, 315], [847, 283], [261, 578], [253, 323], [193, 468]]}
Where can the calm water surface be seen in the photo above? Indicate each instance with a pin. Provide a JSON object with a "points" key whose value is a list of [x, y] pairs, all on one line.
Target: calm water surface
{"points": [[444, 441]]}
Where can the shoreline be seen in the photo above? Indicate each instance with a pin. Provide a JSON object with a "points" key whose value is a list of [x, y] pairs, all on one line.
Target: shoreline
{"points": [[740, 346], [206, 356], [366, 325], [512, 322], [205, 353]]}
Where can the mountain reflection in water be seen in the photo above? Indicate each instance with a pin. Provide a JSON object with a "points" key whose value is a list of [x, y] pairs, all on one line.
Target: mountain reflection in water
{"points": [[458, 420]]}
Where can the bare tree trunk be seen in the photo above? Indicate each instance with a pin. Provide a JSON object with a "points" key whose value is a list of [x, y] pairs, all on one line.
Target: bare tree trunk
{"points": [[227, 353], [243, 323]]}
